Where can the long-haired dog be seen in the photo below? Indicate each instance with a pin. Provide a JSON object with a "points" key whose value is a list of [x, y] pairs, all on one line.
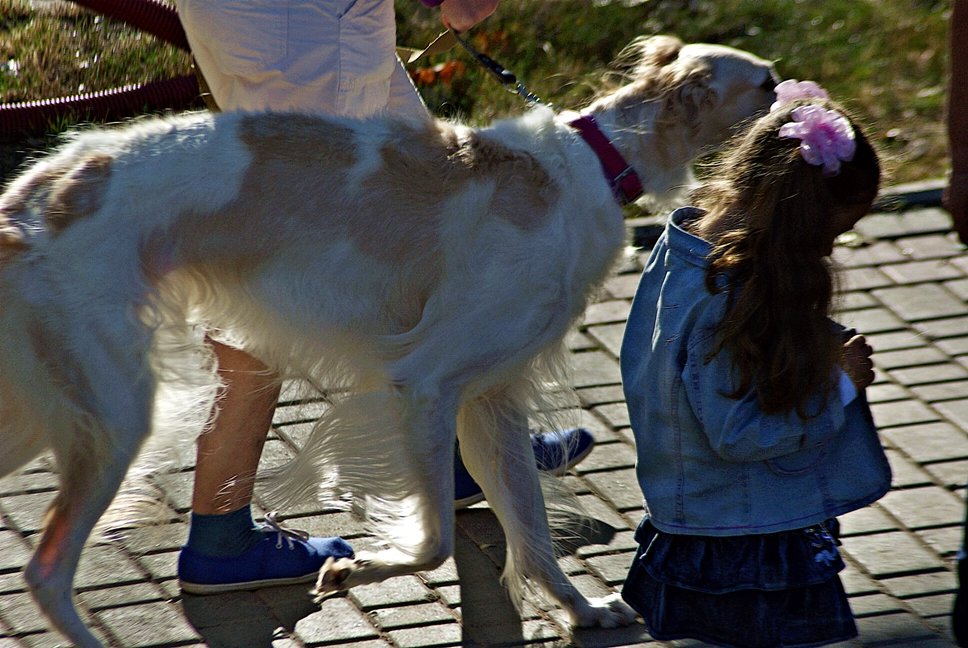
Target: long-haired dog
{"points": [[425, 273]]}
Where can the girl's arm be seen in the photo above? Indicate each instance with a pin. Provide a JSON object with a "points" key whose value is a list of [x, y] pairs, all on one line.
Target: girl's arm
{"points": [[737, 429]]}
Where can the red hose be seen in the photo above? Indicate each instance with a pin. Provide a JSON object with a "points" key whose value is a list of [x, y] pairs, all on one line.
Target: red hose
{"points": [[152, 16]]}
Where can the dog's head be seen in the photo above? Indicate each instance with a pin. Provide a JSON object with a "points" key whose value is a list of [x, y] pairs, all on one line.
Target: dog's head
{"points": [[702, 91]]}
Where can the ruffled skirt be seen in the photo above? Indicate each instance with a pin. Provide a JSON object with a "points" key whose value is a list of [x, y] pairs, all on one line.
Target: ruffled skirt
{"points": [[778, 589]]}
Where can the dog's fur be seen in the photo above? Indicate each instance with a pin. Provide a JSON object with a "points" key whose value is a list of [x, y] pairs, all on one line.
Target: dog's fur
{"points": [[428, 270]]}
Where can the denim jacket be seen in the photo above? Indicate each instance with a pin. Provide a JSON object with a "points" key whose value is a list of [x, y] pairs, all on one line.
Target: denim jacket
{"points": [[709, 464]]}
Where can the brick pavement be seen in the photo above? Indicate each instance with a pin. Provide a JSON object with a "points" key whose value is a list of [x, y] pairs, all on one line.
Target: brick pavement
{"points": [[906, 284]]}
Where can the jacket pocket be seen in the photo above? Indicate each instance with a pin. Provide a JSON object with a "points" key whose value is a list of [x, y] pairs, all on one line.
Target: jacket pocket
{"points": [[799, 462]]}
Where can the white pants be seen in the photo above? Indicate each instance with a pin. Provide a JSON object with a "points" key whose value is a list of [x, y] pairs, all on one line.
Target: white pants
{"points": [[321, 56]]}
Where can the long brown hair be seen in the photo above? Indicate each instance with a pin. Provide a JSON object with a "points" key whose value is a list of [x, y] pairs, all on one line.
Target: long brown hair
{"points": [[773, 259]]}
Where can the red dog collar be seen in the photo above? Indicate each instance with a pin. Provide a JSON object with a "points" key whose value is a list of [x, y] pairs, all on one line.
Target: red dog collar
{"points": [[622, 178]]}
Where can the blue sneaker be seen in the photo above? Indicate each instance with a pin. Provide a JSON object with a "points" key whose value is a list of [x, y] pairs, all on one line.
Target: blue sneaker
{"points": [[554, 452], [283, 557]]}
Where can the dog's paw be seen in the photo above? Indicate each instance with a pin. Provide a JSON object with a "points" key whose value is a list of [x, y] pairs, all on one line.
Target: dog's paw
{"points": [[333, 576], [606, 612]]}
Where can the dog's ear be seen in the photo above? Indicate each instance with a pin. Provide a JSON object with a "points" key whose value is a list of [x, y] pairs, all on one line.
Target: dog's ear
{"points": [[646, 53], [690, 100]]}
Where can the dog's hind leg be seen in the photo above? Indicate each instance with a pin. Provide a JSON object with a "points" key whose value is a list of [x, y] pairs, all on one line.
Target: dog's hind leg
{"points": [[419, 524], [498, 455], [114, 391]]}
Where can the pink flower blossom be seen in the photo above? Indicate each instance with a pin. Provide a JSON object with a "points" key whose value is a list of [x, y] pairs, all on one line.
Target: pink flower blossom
{"points": [[826, 137], [791, 90]]}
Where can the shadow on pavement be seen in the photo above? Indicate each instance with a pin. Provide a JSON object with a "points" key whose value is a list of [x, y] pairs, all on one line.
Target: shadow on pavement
{"points": [[246, 620]]}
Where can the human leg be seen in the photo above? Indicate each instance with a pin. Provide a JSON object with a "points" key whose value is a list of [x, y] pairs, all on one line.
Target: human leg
{"points": [[324, 57]]}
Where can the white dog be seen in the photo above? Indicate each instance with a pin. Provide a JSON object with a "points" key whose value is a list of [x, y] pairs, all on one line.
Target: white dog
{"points": [[430, 271]]}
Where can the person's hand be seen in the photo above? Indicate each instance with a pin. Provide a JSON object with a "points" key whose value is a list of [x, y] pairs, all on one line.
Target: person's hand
{"points": [[461, 15], [857, 361], [956, 202]]}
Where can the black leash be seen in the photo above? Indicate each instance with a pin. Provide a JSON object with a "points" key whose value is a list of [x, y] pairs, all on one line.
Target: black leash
{"points": [[504, 76]]}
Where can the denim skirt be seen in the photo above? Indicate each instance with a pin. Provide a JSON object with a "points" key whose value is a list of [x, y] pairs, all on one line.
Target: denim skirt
{"points": [[777, 589]]}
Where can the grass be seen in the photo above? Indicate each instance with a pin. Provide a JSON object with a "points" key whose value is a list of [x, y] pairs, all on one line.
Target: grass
{"points": [[886, 60]]}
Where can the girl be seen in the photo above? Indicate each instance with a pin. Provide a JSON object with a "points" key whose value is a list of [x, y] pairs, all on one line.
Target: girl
{"points": [[746, 400]]}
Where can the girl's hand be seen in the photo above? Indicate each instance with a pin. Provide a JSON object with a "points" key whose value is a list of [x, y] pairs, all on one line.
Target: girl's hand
{"points": [[857, 361], [461, 15]]}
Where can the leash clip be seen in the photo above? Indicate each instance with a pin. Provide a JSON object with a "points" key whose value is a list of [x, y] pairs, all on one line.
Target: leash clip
{"points": [[503, 75]]}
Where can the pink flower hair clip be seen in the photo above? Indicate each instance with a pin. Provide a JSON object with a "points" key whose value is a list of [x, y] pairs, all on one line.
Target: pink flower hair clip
{"points": [[792, 90], [826, 137]]}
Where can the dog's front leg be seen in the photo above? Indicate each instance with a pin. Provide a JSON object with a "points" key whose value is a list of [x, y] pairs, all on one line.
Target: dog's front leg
{"points": [[497, 451], [418, 522]]}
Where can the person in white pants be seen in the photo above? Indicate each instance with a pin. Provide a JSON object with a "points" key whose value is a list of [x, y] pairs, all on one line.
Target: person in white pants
{"points": [[333, 57]]}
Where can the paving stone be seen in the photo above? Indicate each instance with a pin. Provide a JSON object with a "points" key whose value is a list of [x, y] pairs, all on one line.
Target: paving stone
{"points": [[148, 624], [950, 473], [390, 618], [121, 595], [903, 412], [924, 507], [906, 473], [958, 286], [893, 628], [440, 635], [937, 605], [336, 622], [872, 320], [885, 555], [856, 582], [615, 414], [103, 565], [622, 286], [394, 591], [27, 482], [878, 253], [886, 392], [943, 328], [932, 246], [854, 300], [944, 541], [577, 341], [609, 336], [870, 519], [608, 394], [927, 373], [612, 311], [918, 356], [920, 302], [926, 442], [619, 487], [611, 568], [901, 225], [921, 271], [26, 511], [941, 391], [894, 340], [956, 411], [937, 582], [596, 509], [594, 369], [14, 552], [874, 604], [864, 278], [608, 456]]}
